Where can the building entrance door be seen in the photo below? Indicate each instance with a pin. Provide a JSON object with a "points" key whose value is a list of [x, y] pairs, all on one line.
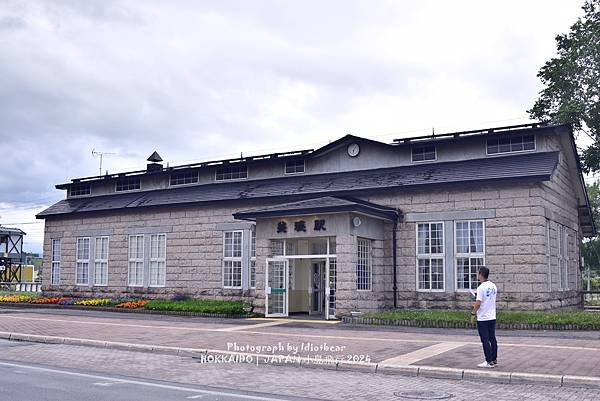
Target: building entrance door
{"points": [[317, 288], [276, 291]]}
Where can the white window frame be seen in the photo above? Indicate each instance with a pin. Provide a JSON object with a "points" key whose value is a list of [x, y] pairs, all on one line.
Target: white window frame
{"points": [[157, 259], [128, 179], [99, 261], [82, 264], [510, 151], [430, 256], [368, 266], [136, 260], [79, 195], [467, 255], [197, 172], [425, 160], [55, 262], [239, 167], [563, 257], [252, 267], [234, 260], [285, 167]]}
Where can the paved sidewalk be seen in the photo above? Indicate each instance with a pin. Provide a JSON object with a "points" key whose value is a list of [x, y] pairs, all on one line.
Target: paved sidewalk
{"points": [[563, 353], [281, 380]]}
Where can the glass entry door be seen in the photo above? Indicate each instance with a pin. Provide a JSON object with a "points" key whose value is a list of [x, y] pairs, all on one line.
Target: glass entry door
{"points": [[276, 298], [316, 289], [331, 281]]}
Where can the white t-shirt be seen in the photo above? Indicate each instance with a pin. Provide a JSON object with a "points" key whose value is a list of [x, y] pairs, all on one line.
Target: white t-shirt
{"points": [[486, 293]]}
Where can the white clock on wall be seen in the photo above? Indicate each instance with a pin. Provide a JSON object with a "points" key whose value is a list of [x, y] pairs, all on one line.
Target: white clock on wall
{"points": [[353, 149]]}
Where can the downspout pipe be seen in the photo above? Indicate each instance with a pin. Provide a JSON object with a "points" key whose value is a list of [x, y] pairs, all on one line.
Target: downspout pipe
{"points": [[394, 258]]}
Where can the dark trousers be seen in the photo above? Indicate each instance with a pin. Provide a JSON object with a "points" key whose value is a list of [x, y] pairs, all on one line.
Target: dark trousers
{"points": [[487, 333]]}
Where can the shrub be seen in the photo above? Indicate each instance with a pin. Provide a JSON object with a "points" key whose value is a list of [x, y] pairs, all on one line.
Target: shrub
{"points": [[180, 297], [199, 306]]}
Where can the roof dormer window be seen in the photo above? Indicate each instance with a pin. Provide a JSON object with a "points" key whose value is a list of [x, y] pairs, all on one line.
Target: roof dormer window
{"points": [[424, 153], [509, 144], [294, 166], [128, 184], [231, 173], [80, 190], [188, 177]]}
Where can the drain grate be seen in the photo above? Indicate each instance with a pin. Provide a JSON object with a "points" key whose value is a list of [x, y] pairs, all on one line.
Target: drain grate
{"points": [[423, 395]]}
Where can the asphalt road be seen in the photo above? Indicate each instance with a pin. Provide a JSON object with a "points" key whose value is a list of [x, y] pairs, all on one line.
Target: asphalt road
{"points": [[21, 381]]}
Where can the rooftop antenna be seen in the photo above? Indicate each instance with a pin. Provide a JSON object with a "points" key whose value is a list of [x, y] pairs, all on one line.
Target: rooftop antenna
{"points": [[100, 154]]}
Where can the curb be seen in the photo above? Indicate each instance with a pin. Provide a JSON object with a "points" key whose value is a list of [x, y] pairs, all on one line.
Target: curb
{"points": [[209, 356], [369, 321]]}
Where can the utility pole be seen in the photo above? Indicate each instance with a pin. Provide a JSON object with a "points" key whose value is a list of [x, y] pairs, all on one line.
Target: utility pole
{"points": [[100, 154]]}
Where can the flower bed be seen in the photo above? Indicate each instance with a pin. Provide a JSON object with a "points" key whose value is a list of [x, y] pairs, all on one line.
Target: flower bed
{"points": [[55, 300], [94, 302], [15, 298], [133, 304], [180, 305]]}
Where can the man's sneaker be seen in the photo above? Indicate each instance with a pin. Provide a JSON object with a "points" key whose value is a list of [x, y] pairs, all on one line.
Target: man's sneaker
{"points": [[485, 365], [495, 363]]}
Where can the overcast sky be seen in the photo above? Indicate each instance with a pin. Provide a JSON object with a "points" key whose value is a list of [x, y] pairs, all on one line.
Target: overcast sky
{"points": [[210, 79]]}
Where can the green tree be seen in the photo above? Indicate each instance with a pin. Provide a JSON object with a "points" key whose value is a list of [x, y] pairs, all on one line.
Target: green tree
{"points": [[590, 250], [571, 82]]}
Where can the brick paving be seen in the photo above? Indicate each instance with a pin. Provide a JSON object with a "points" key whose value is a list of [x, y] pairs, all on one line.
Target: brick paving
{"points": [[280, 380], [550, 353]]}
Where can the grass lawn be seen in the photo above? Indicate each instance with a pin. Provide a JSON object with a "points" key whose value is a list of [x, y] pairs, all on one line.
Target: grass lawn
{"points": [[198, 305], [23, 293], [582, 319]]}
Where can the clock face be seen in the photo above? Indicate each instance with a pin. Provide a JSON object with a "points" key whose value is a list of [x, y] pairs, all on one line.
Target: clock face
{"points": [[353, 149]]}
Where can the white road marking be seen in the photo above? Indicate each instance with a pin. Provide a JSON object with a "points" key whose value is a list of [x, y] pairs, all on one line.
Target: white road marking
{"points": [[192, 397], [367, 339], [423, 353], [142, 383], [253, 326], [106, 384]]}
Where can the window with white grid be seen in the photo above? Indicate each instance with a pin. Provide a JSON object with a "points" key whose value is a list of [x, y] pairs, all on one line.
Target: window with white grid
{"points": [[55, 263], [185, 178], [363, 265], [128, 184], [231, 173], [294, 166], [563, 266], [101, 261], [253, 259], [158, 260], [232, 259], [470, 253], [82, 264], [135, 271], [430, 256]]}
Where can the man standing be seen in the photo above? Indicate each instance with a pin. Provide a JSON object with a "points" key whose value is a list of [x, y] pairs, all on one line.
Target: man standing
{"points": [[485, 310]]}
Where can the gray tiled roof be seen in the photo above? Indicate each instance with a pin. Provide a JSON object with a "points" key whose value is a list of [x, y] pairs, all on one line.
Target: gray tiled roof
{"points": [[324, 204], [531, 166]]}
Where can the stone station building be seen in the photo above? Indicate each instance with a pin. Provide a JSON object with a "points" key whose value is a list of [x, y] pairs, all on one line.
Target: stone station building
{"points": [[354, 226]]}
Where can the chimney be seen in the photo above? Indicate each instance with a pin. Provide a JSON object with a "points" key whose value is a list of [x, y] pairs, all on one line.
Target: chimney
{"points": [[154, 164]]}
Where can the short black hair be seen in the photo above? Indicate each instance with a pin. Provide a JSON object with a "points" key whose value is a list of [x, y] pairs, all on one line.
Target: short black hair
{"points": [[484, 271]]}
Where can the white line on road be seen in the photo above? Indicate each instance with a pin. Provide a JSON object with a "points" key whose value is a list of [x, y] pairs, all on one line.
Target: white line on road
{"points": [[141, 383], [253, 326], [423, 353], [192, 397]]}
